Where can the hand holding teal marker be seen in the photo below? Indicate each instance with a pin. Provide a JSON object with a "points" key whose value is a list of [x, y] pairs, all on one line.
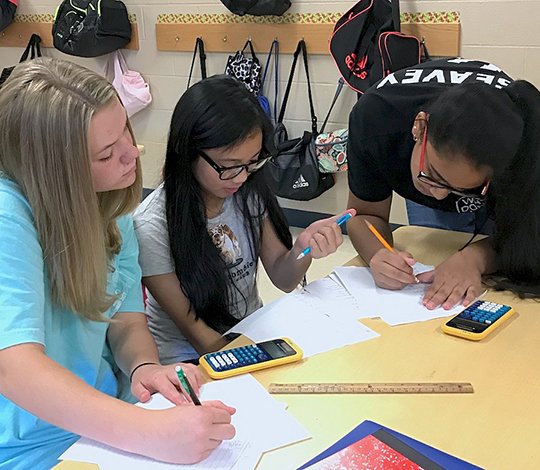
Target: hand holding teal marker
{"points": [[339, 221]]}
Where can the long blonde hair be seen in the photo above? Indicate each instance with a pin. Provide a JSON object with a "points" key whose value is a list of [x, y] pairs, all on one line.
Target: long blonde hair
{"points": [[45, 111]]}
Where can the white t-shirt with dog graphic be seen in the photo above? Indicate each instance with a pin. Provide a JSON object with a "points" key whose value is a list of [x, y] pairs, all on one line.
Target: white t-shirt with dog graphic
{"points": [[229, 234]]}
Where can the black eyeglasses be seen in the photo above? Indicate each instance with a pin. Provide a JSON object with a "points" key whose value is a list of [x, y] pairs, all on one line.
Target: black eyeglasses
{"points": [[480, 192], [230, 172]]}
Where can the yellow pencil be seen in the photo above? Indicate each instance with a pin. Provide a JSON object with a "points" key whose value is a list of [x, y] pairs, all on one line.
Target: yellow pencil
{"points": [[379, 236]]}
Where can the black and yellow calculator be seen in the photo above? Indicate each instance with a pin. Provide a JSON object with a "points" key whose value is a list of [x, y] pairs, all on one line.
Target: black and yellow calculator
{"points": [[250, 358], [478, 320]]}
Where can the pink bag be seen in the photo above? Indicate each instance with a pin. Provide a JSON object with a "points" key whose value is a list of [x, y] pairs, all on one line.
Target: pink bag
{"points": [[134, 92]]}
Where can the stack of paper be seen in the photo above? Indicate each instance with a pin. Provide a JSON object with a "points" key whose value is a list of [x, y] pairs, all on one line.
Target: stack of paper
{"points": [[261, 423], [319, 318]]}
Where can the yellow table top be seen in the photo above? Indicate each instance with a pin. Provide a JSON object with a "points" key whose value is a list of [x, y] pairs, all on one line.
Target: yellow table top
{"points": [[496, 427]]}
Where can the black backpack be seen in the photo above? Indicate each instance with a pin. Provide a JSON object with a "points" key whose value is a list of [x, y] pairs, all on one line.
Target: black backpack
{"points": [[90, 28], [7, 12], [366, 44], [257, 7]]}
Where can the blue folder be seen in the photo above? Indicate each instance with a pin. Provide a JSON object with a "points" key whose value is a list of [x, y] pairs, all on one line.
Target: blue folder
{"points": [[440, 459]]}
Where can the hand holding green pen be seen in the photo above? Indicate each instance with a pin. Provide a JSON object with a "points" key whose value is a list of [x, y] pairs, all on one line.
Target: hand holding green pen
{"points": [[182, 377]]}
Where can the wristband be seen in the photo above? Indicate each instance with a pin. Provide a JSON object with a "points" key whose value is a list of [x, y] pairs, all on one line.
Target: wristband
{"points": [[140, 365]]}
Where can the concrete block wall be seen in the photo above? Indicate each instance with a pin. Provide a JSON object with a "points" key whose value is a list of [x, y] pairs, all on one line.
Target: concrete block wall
{"points": [[501, 31]]}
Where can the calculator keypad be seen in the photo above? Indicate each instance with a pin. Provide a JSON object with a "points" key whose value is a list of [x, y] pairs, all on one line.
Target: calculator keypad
{"points": [[237, 357], [484, 312]]}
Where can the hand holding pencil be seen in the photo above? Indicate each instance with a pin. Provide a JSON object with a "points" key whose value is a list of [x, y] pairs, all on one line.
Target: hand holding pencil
{"points": [[391, 269]]}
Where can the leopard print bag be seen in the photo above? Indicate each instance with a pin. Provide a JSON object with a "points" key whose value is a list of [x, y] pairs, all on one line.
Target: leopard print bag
{"points": [[246, 69]]}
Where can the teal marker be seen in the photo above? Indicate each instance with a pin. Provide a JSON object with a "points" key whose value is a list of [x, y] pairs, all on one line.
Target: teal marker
{"points": [[187, 386], [339, 221]]}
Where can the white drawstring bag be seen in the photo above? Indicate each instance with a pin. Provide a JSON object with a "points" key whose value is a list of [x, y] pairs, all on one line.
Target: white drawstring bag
{"points": [[133, 90]]}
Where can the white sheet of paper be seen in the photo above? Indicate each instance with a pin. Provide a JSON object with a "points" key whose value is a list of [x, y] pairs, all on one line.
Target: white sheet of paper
{"points": [[290, 317], [108, 458], [335, 301], [260, 418], [419, 268], [261, 424], [395, 307]]}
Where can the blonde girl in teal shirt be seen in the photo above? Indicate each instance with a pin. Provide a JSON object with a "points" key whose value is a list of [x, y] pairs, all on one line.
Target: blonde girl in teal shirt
{"points": [[72, 327]]}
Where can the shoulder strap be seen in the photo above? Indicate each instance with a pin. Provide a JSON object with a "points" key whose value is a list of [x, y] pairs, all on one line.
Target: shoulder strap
{"points": [[33, 43], [199, 45], [338, 91], [301, 48], [276, 79], [396, 16], [274, 49], [424, 50], [36, 49], [250, 44]]}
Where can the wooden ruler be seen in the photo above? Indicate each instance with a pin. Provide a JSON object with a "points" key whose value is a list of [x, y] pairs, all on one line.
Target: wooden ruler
{"points": [[372, 388]]}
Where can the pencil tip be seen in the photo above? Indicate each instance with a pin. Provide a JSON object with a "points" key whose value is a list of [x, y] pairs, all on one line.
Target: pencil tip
{"points": [[300, 256]]}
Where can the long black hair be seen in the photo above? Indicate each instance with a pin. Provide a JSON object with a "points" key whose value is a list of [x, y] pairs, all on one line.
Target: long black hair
{"points": [[218, 112], [500, 129]]}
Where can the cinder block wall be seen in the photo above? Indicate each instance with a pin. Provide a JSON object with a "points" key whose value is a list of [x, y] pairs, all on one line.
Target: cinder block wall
{"points": [[501, 31]]}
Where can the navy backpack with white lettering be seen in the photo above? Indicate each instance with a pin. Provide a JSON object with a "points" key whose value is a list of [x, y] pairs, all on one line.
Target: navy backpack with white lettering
{"points": [[367, 44]]}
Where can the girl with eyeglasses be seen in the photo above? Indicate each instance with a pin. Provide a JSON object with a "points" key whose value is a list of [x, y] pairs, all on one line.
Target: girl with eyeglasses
{"points": [[460, 141], [73, 333], [202, 232]]}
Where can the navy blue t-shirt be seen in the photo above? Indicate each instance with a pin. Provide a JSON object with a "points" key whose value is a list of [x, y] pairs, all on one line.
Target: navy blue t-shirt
{"points": [[380, 140]]}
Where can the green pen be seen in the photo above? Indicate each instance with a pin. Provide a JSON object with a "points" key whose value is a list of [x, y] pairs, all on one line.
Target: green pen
{"points": [[187, 386]]}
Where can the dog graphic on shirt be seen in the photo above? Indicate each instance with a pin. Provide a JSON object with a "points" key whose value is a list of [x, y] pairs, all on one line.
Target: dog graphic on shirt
{"points": [[227, 244]]}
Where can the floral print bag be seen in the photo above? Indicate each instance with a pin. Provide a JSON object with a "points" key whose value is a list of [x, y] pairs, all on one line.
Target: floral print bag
{"points": [[331, 147]]}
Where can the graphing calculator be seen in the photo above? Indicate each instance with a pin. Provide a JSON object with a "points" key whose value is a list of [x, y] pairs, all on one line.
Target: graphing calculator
{"points": [[478, 320], [245, 359]]}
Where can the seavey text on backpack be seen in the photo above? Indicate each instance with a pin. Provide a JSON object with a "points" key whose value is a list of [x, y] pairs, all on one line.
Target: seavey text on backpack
{"points": [[367, 45]]}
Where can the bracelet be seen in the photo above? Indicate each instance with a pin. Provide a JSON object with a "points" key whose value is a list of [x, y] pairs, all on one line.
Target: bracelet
{"points": [[140, 365]]}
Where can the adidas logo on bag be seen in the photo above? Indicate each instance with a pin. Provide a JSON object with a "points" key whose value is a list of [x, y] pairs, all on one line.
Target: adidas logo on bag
{"points": [[300, 183]]}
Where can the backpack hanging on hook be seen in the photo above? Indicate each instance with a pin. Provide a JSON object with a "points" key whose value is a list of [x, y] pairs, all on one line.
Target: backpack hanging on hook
{"points": [[293, 172], [257, 7], [90, 28], [246, 69], [367, 44], [7, 12]]}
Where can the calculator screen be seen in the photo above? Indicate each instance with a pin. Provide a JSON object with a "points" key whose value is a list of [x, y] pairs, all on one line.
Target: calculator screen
{"points": [[276, 349]]}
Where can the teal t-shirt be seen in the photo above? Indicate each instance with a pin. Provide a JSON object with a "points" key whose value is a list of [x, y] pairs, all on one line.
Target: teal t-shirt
{"points": [[27, 315]]}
